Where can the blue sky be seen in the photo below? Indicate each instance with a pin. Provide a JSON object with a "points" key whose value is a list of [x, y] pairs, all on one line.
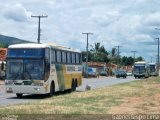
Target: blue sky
{"points": [[128, 23]]}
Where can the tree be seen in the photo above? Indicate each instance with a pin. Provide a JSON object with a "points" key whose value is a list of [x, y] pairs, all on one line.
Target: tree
{"points": [[113, 52], [3, 45], [84, 54], [139, 59], [99, 53]]}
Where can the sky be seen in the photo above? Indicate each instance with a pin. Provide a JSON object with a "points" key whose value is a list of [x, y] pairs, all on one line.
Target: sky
{"points": [[128, 23]]}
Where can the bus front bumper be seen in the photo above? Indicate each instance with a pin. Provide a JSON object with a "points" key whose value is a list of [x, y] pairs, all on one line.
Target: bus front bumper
{"points": [[139, 75], [26, 89]]}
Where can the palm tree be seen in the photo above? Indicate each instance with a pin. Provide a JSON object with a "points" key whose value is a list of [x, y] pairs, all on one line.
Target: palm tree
{"points": [[99, 53]]}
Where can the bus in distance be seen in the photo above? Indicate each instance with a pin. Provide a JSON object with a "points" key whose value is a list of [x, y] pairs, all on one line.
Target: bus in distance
{"points": [[42, 69], [153, 69], [141, 69]]}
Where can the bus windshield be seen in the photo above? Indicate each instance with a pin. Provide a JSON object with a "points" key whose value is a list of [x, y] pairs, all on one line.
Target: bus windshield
{"points": [[152, 68], [140, 69], [25, 69]]}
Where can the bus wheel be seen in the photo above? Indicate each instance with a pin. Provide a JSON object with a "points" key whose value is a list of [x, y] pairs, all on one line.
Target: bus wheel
{"points": [[52, 90], [19, 95], [73, 85]]}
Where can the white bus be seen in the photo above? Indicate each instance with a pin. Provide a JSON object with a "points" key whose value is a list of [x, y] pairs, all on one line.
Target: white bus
{"points": [[141, 69], [153, 69], [42, 69]]}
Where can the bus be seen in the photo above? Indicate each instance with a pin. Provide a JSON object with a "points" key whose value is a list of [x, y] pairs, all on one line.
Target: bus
{"points": [[42, 69], [141, 69], [153, 69]]}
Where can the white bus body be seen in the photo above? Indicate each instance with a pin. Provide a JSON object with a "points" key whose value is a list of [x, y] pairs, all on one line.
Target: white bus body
{"points": [[40, 69], [141, 69]]}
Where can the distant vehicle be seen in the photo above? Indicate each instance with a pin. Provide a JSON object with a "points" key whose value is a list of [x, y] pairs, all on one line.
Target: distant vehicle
{"points": [[42, 69], [129, 73], [103, 73], [141, 69], [92, 72], [153, 69], [121, 73], [2, 70]]}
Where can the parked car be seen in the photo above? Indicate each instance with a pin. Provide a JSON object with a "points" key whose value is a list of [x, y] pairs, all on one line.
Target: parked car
{"points": [[103, 73], [121, 73], [92, 72]]}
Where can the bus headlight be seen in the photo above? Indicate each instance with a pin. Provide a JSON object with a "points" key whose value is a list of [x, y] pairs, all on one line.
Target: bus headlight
{"points": [[8, 82], [9, 90]]}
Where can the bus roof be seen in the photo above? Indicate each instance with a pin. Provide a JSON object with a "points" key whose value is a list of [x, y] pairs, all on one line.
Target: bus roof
{"points": [[152, 63], [36, 45], [28, 45], [141, 62]]}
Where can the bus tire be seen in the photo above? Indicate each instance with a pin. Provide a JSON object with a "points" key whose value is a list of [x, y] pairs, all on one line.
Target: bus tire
{"points": [[19, 95], [52, 89], [73, 86]]}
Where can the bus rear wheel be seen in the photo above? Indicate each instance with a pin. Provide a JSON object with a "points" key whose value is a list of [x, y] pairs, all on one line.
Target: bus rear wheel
{"points": [[74, 85], [19, 95]]}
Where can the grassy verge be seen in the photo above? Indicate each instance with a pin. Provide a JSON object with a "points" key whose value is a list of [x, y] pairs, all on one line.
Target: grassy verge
{"points": [[137, 97]]}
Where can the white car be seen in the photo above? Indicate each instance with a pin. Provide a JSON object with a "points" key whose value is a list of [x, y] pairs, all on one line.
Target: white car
{"points": [[129, 73]]}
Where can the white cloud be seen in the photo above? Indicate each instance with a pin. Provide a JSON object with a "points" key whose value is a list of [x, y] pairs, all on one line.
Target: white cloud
{"points": [[113, 22], [15, 12]]}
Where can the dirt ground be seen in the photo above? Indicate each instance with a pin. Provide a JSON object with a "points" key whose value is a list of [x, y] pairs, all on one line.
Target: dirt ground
{"points": [[1, 82]]}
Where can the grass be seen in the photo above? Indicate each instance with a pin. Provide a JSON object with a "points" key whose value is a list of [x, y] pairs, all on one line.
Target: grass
{"points": [[137, 97]]}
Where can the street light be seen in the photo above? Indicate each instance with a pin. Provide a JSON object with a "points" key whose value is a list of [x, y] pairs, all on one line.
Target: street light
{"points": [[87, 53]]}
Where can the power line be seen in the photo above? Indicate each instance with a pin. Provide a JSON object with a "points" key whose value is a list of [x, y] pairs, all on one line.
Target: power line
{"points": [[39, 22], [86, 71]]}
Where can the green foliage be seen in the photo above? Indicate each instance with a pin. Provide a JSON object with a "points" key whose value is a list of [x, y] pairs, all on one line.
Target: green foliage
{"points": [[3, 45], [127, 61], [139, 59], [98, 53]]}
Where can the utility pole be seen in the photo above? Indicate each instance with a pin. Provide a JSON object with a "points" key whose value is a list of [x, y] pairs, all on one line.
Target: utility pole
{"points": [[151, 59], [39, 24], [118, 46], [134, 53], [158, 56], [86, 72]]}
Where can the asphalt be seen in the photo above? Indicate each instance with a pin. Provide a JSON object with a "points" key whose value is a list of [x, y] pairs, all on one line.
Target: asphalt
{"points": [[93, 83]]}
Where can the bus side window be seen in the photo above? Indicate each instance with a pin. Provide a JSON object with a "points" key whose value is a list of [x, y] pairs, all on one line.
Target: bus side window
{"points": [[68, 57], [77, 58], [53, 56], [59, 56], [64, 57], [73, 58]]}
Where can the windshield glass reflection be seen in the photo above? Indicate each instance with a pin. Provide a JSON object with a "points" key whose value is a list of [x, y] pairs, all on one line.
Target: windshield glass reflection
{"points": [[25, 70]]}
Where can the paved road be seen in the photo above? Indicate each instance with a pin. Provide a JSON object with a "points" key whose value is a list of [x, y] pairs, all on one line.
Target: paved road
{"points": [[103, 81], [8, 99]]}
